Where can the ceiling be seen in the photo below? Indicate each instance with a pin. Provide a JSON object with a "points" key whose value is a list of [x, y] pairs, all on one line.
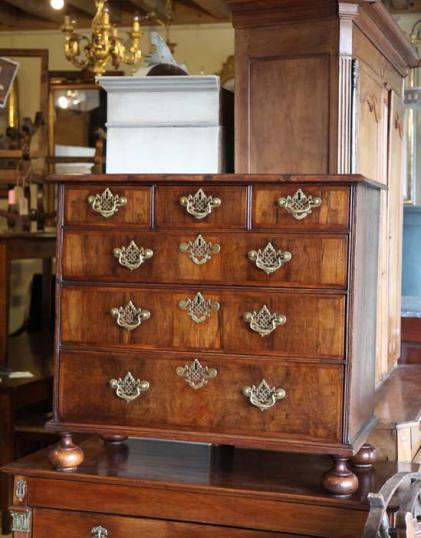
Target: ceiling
{"points": [[37, 14]]}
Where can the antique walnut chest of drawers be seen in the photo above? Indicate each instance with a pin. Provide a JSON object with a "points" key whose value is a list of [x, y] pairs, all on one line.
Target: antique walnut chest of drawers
{"points": [[225, 309]]}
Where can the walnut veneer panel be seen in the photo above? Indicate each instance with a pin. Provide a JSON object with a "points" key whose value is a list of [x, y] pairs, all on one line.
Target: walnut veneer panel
{"points": [[315, 325], [137, 210], [318, 261], [218, 407], [55, 523], [230, 214], [285, 83], [332, 214]]}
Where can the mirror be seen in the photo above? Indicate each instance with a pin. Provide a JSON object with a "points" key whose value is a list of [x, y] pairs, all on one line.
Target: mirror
{"points": [[77, 117]]}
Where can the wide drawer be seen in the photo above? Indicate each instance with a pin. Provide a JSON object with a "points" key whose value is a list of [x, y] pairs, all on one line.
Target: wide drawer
{"points": [[107, 206], [230, 320], [60, 523], [301, 207], [292, 260], [211, 394], [200, 206]]}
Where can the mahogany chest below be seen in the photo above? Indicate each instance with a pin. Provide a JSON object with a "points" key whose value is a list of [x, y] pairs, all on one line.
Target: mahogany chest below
{"points": [[233, 310]]}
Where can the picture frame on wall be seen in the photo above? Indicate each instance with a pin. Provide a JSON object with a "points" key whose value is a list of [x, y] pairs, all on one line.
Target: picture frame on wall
{"points": [[8, 71]]}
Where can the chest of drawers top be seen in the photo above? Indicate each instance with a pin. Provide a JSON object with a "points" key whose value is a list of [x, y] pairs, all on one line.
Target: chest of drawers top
{"points": [[231, 202]]}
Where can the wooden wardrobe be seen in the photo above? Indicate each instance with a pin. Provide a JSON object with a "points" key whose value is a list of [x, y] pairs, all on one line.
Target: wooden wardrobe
{"points": [[319, 90]]}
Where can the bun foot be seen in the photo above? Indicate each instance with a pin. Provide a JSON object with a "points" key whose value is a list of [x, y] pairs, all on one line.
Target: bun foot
{"points": [[114, 440], [339, 480], [67, 456], [365, 458]]}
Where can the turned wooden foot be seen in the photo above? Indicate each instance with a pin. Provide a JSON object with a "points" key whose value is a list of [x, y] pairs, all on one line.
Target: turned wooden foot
{"points": [[339, 480], [66, 456], [365, 458], [114, 440]]}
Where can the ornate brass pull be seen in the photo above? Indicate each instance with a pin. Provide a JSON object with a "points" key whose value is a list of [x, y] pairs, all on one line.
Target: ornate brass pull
{"points": [[299, 205], [21, 521], [107, 203], [196, 375], [129, 317], [99, 532], [263, 396], [269, 259], [132, 256], [198, 308], [128, 388], [199, 205], [264, 322], [200, 250]]}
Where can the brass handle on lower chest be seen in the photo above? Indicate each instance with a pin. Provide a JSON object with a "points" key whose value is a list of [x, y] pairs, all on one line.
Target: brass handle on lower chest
{"points": [[199, 205], [128, 388], [129, 317], [269, 259], [263, 396], [99, 532], [264, 322], [107, 203], [132, 256], [299, 205]]}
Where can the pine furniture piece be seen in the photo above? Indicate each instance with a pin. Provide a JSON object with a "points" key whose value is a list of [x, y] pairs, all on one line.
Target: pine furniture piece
{"points": [[178, 490], [319, 89], [226, 309]]}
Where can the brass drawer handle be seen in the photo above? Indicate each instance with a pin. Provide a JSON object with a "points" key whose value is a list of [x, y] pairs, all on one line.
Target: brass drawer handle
{"points": [[264, 322], [21, 521], [129, 317], [128, 388], [200, 251], [132, 256], [199, 205], [300, 205], [99, 532], [107, 203], [269, 259], [263, 396], [199, 308], [196, 375]]}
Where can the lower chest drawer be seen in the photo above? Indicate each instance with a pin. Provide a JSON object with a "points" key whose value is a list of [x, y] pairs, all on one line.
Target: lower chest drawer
{"points": [[57, 524], [203, 392], [233, 321]]}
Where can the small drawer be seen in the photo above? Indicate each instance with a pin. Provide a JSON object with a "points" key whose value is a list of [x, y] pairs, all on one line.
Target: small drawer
{"points": [[202, 392], [107, 206], [200, 206], [237, 258], [301, 207], [254, 322], [71, 524]]}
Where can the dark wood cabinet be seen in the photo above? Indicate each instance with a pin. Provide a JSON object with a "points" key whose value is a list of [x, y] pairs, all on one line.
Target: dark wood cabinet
{"points": [[178, 490], [240, 311]]}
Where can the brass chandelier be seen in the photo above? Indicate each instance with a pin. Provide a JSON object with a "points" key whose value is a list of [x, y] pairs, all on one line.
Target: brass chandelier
{"points": [[104, 45]]}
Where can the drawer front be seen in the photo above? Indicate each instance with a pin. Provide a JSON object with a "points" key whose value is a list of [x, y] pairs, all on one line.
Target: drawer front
{"points": [[60, 523], [94, 204], [224, 320], [291, 260], [301, 207], [200, 206], [211, 394]]}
